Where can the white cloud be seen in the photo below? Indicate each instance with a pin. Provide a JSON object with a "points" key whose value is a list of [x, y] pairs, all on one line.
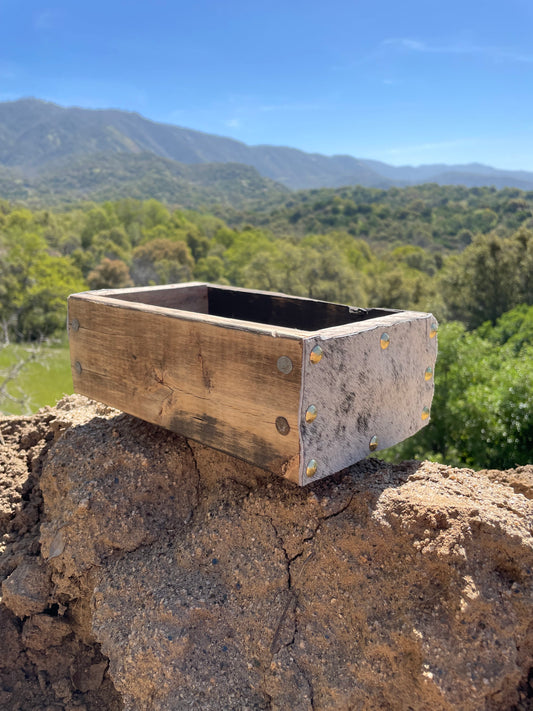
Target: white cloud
{"points": [[233, 123], [465, 48], [429, 146], [290, 107]]}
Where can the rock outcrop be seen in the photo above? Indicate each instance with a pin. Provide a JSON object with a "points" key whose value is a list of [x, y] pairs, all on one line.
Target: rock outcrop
{"points": [[142, 571]]}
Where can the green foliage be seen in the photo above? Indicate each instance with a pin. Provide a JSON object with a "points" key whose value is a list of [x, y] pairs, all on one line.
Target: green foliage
{"points": [[110, 274], [161, 261], [490, 277], [310, 269], [154, 214], [42, 311], [34, 284], [113, 241], [436, 218], [116, 175], [514, 329], [482, 413]]}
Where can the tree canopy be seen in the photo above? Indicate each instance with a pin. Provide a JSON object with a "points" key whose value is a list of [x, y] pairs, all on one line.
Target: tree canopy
{"points": [[465, 255]]}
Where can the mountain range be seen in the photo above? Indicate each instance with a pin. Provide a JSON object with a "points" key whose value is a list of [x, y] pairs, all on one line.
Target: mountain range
{"points": [[49, 153]]}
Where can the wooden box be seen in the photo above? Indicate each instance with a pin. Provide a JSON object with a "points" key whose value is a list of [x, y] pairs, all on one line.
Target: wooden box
{"points": [[299, 387]]}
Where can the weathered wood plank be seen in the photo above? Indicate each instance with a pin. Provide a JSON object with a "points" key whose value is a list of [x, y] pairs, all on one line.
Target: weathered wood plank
{"points": [[282, 310], [187, 297], [217, 385], [273, 331]]}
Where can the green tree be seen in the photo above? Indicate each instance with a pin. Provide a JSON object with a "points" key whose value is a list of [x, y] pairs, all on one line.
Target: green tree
{"points": [[154, 214], [482, 412], [27, 275], [310, 269], [43, 305], [110, 274], [490, 277], [211, 269], [96, 220], [161, 261]]}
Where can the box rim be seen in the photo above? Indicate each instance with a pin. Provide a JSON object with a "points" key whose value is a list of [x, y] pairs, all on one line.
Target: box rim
{"points": [[109, 297]]}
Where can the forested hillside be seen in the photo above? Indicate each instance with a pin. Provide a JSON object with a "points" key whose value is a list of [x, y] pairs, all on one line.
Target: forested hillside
{"points": [[465, 255], [437, 218], [111, 176]]}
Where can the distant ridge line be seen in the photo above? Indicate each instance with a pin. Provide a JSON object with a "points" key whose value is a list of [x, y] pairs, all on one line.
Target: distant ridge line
{"points": [[37, 136]]}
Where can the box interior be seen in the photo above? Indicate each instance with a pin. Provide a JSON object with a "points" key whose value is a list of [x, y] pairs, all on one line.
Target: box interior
{"points": [[255, 307]]}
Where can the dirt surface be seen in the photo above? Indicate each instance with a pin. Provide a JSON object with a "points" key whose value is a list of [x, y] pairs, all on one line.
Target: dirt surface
{"points": [[142, 571], [44, 663]]}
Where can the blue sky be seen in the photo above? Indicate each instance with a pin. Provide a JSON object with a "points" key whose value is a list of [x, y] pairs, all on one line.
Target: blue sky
{"points": [[406, 82]]}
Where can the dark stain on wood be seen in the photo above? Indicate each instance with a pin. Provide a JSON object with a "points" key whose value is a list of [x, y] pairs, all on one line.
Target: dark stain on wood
{"points": [[278, 310]]}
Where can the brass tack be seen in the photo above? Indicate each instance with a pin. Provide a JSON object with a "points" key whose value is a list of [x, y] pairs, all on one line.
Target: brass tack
{"points": [[425, 413], [311, 413], [428, 374], [312, 466], [373, 444], [433, 330], [316, 355], [384, 341]]}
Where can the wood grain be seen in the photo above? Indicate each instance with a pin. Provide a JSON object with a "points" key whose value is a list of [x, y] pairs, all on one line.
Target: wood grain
{"points": [[189, 296]]}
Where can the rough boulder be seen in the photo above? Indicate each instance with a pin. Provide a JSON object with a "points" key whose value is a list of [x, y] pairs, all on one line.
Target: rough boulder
{"points": [[142, 571]]}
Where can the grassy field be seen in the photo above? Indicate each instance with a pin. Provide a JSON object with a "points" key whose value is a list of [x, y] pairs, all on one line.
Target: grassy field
{"points": [[41, 382]]}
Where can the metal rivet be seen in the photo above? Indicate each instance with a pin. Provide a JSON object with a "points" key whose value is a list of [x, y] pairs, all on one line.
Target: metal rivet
{"points": [[75, 325], [428, 374], [384, 341], [311, 413], [433, 330], [77, 367], [312, 466], [282, 426], [284, 365], [316, 355], [425, 413], [373, 444]]}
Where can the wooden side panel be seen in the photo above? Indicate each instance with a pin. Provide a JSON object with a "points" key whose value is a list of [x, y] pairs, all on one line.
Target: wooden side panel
{"points": [[186, 297], [216, 385], [281, 310], [374, 380]]}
